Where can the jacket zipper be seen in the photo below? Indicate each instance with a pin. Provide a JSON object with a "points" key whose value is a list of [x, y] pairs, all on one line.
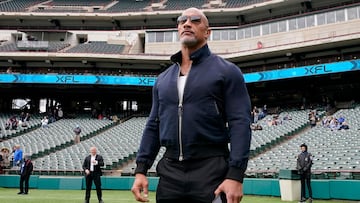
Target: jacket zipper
{"points": [[180, 113]]}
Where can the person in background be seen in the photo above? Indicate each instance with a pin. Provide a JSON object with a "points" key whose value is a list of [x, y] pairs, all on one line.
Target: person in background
{"points": [[5, 154], [18, 155], [60, 114], [9, 70], [26, 169], [77, 131], [304, 163], [92, 169], [11, 123], [45, 122], [200, 104]]}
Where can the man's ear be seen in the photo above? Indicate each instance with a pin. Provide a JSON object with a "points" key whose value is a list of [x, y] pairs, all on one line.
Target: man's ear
{"points": [[207, 33]]}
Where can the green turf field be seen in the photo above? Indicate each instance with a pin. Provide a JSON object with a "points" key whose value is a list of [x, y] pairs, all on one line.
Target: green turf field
{"points": [[109, 196]]}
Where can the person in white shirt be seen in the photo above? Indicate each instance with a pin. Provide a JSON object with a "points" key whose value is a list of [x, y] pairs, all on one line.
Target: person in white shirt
{"points": [[92, 169], [45, 122]]}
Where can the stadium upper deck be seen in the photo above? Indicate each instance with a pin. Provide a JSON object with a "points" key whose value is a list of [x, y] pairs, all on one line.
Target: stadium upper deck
{"points": [[147, 14]]}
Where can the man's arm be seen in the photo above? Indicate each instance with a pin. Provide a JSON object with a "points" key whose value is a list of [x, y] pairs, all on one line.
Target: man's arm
{"points": [[150, 144], [30, 168], [149, 148], [100, 160], [86, 165], [298, 163], [238, 114]]}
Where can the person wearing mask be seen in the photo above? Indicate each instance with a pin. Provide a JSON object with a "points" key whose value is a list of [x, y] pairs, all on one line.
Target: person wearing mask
{"points": [[26, 169], [92, 169], [304, 163], [200, 105]]}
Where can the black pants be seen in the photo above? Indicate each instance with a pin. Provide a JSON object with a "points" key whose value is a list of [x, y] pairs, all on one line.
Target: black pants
{"points": [[305, 178], [190, 181], [24, 179], [97, 181]]}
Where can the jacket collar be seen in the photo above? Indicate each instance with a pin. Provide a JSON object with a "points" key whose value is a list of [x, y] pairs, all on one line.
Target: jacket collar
{"points": [[198, 56]]}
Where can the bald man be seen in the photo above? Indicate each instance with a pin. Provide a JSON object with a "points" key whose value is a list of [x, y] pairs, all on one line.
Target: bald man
{"points": [[92, 169], [200, 104]]}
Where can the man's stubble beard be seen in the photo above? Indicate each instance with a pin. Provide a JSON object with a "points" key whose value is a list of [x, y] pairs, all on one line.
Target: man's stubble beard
{"points": [[188, 41]]}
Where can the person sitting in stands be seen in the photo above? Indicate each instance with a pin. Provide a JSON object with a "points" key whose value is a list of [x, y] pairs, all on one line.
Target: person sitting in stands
{"points": [[24, 118], [326, 121], [341, 119], [287, 118], [11, 123], [45, 122], [334, 125], [256, 127], [344, 126]]}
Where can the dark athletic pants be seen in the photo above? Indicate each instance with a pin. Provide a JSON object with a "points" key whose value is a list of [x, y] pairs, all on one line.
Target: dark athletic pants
{"points": [[24, 179], [97, 181], [305, 178], [191, 181]]}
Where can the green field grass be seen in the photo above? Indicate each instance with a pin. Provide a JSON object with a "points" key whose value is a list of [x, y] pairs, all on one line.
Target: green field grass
{"points": [[109, 196]]}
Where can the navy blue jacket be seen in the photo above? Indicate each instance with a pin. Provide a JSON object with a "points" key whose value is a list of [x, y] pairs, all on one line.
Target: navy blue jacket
{"points": [[214, 95]]}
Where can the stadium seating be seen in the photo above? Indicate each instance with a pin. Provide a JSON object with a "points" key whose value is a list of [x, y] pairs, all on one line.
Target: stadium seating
{"points": [[52, 47], [97, 47], [242, 3], [34, 122], [262, 139], [42, 141], [180, 5], [8, 47], [129, 6], [114, 7], [18, 5], [117, 145], [333, 150], [79, 2], [271, 135]]}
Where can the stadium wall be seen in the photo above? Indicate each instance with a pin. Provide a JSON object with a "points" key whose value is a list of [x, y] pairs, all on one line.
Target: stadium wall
{"points": [[322, 189]]}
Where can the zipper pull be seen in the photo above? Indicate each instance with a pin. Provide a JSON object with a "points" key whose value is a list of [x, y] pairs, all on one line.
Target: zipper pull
{"points": [[180, 109], [181, 157]]}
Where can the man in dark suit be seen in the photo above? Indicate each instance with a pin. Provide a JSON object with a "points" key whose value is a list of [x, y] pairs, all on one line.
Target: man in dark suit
{"points": [[92, 169], [25, 172], [304, 163]]}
